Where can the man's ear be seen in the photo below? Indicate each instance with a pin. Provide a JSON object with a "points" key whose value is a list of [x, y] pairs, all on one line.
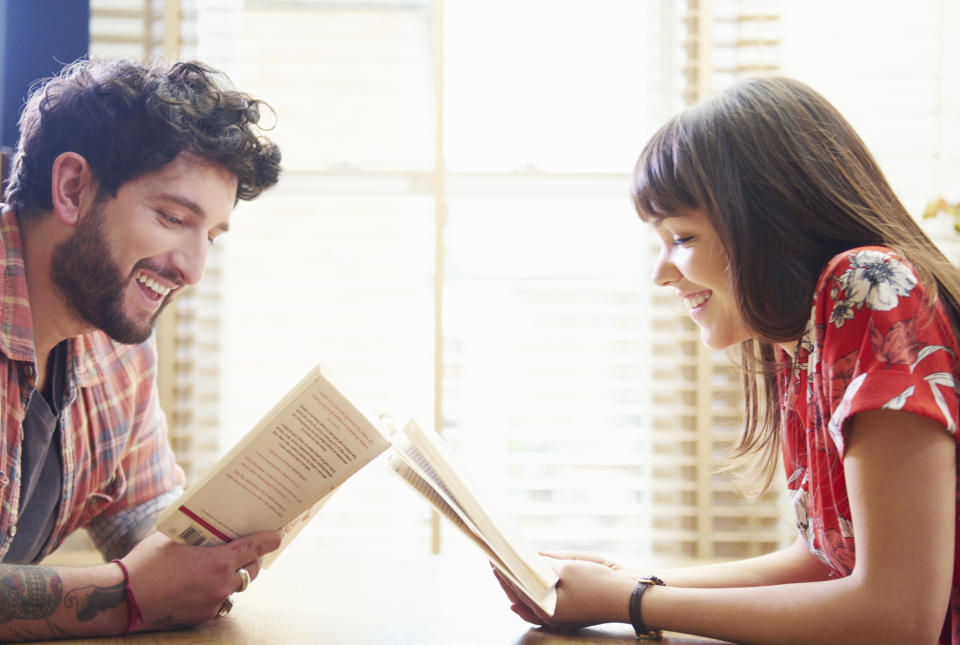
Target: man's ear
{"points": [[73, 188]]}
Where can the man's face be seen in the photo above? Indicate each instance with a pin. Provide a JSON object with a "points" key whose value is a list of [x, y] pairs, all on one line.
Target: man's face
{"points": [[130, 254]]}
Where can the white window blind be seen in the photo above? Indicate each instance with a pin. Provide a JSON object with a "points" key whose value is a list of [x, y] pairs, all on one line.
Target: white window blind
{"points": [[189, 332], [551, 376], [553, 389], [894, 73], [578, 392], [698, 408], [337, 264]]}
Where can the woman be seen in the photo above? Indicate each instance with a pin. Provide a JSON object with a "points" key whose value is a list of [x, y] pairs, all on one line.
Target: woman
{"points": [[782, 237]]}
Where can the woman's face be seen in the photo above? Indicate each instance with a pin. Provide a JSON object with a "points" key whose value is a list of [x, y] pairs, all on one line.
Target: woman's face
{"points": [[692, 261]]}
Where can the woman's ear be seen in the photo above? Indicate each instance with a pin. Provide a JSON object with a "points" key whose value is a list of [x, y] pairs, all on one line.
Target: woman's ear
{"points": [[72, 187]]}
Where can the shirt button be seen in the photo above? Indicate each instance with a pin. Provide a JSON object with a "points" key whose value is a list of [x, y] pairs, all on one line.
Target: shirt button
{"points": [[12, 530]]}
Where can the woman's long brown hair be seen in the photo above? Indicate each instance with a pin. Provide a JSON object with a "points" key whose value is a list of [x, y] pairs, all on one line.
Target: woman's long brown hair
{"points": [[787, 183]]}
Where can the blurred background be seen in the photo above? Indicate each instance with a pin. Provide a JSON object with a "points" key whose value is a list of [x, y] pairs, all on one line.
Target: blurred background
{"points": [[453, 237]]}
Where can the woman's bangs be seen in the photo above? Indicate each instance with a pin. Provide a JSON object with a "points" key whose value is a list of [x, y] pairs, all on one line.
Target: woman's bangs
{"points": [[659, 187]]}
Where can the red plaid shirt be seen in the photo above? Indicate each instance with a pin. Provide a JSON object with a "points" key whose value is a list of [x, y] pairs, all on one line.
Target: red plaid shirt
{"points": [[873, 343], [113, 434]]}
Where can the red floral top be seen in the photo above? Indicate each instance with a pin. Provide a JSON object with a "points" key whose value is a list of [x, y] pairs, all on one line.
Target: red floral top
{"points": [[872, 342]]}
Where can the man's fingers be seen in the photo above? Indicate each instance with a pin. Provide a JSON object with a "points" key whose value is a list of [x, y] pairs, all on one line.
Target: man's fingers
{"points": [[253, 546], [245, 579]]}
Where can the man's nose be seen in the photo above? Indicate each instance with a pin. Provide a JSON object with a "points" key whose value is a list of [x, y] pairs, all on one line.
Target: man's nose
{"points": [[191, 260]]}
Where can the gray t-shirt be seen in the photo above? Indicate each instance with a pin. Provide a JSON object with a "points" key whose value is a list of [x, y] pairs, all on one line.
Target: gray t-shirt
{"points": [[41, 467]]}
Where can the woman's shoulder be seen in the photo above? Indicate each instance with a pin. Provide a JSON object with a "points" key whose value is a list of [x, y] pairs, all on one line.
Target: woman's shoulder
{"points": [[863, 256], [867, 267], [865, 282]]}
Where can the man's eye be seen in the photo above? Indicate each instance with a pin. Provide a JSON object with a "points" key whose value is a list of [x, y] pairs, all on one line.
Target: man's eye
{"points": [[170, 219]]}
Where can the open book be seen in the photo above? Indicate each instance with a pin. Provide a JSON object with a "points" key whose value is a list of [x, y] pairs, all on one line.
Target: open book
{"points": [[288, 465]]}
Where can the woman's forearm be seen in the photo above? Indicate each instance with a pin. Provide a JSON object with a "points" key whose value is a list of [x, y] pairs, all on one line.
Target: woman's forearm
{"points": [[792, 564], [848, 610]]}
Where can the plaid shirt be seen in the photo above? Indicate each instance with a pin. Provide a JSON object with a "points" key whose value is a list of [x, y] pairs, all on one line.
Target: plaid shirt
{"points": [[116, 457]]}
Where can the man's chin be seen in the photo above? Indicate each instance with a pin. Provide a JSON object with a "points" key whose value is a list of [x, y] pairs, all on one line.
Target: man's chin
{"points": [[129, 333], [129, 336]]}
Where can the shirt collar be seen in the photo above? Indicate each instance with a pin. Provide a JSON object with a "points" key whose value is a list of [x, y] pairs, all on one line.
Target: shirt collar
{"points": [[16, 321]]}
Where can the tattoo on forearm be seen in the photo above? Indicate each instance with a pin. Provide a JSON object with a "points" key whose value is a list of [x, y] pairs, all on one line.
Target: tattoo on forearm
{"points": [[34, 593], [168, 623], [28, 592], [52, 631], [90, 601]]}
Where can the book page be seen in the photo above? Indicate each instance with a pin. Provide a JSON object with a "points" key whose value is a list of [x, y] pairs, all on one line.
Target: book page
{"points": [[305, 447], [425, 454], [398, 467], [405, 451], [293, 528]]}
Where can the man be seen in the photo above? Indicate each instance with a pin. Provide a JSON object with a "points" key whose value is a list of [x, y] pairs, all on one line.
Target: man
{"points": [[124, 174]]}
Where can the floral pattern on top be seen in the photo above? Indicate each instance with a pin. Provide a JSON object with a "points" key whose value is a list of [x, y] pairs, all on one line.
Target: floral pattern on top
{"points": [[873, 342]]}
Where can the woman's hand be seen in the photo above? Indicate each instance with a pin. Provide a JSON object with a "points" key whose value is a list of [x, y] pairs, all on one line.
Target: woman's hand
{"points": [[591, 591], [585, 557]]}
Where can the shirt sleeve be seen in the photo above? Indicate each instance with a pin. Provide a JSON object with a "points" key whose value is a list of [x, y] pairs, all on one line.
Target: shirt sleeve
{"points": [[114, 534], [886, 344], [147, 470]]}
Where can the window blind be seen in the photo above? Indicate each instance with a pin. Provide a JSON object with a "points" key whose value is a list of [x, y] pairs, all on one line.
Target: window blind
{"points": [[697, 406], [337, 264], [578, 392], [188, 332]]}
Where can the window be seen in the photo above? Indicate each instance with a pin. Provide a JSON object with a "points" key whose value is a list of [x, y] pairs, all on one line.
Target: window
{"points": [[528, 334], [453, 236]]}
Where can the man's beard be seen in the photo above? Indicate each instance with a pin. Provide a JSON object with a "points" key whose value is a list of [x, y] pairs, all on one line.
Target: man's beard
{"points": [[86, 274]]}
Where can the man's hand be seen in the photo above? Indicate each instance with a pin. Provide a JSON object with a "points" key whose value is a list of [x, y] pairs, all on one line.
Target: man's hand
{"points": [[177, 585]]}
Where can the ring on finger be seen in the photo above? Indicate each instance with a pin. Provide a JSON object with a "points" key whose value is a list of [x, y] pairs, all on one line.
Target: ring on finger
{"points": [[244, 578], [225, 607]]}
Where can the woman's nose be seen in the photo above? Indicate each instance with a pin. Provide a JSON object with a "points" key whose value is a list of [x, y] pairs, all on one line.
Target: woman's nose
{"points": [[664, 271]]}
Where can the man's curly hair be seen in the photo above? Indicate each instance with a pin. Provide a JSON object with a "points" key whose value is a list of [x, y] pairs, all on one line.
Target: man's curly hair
{"points": [[127, 119]]}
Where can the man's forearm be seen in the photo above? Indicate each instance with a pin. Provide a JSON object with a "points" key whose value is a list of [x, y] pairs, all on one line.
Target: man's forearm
{"points": [[39, 602], [116, 534], [124, 543]]}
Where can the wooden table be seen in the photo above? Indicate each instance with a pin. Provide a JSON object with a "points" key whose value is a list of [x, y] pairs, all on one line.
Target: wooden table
{"points": [[354, 600]]}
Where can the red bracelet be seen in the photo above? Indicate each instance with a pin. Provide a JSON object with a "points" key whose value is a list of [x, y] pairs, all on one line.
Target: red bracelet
{"points": [[133, 609]]}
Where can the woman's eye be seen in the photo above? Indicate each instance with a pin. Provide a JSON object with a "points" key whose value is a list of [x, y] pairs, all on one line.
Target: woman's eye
{"points": [[682, 240]]}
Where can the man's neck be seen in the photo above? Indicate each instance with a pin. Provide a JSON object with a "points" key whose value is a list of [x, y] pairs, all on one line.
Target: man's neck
{"points": [[53, 321], [44, 362]]}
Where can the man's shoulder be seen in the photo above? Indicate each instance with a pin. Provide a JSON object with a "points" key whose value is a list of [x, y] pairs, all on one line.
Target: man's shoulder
{"points": [[16, 328], [11, 246]]}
